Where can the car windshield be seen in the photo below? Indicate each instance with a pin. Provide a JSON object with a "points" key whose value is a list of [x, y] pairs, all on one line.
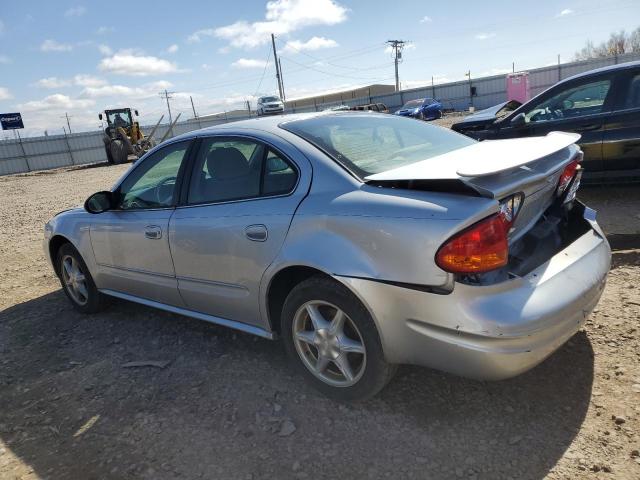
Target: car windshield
{"points": [[270, 99], [368, 144], [413, 103]]}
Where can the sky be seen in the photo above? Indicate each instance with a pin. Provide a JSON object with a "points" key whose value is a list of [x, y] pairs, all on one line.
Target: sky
{"points": [[78, 57]]}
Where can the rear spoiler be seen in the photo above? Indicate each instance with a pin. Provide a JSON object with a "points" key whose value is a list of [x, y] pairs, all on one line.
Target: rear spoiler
{"points": [[480, 159]]}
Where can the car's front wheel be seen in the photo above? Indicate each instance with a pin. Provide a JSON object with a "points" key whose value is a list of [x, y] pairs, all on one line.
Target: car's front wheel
{"points": [[77, 282], [333, 340]]}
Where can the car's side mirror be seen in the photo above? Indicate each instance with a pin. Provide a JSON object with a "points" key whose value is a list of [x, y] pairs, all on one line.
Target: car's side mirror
{"points": [[99, 202], [136, 112], [100, 116], [518, 121]]}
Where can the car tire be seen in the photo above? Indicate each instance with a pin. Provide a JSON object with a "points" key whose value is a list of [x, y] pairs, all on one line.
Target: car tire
{"points": [[77, 282], [118, 151], [333, 364], [420, 116], [439, 114]]}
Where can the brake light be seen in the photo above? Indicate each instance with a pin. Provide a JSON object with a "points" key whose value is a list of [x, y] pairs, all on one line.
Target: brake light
{"points": [[480, 248], [568, 173]]}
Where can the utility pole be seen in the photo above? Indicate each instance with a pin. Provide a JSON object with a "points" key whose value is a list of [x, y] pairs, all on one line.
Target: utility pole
{"points": [[281, 80], [396, 47], [167, 95], [66, 115], [195, 115], [468, 74], [275, 58]]}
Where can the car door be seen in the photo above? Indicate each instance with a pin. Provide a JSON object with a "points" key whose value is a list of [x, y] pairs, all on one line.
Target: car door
{"points": [[241, 198], [621, 145], [580, 106], [130, 242]]}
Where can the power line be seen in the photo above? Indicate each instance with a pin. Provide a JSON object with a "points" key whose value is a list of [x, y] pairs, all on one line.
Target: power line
{"points": [[266, 64]]}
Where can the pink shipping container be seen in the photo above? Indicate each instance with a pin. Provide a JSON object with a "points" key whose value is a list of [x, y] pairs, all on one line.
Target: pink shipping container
{"points": [[518, 86]]}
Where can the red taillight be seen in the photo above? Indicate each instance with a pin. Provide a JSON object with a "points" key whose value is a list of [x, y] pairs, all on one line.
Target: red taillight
{"points": [[480, 248], [567, 175]]}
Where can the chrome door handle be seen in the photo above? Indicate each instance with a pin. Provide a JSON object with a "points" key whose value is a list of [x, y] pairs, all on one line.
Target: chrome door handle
{"points": [[153, 232], [256, 233]]}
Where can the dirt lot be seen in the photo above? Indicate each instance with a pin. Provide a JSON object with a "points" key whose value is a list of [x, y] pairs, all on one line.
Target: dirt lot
{"points": [[228, 405]]}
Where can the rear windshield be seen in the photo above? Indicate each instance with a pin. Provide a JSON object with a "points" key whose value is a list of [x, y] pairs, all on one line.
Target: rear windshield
{"points": [[369, 144]]}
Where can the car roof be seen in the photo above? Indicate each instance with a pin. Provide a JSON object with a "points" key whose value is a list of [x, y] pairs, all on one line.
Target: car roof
{"points": [[598, 71], [266, 123]]}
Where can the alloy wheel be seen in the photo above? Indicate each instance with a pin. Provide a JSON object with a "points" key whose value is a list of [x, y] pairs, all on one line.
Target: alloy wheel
{"points": [[74, 280], [329, 343]]}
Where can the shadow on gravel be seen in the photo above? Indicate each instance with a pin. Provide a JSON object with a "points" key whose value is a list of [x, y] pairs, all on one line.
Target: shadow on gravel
{"points": [[228, 406]]}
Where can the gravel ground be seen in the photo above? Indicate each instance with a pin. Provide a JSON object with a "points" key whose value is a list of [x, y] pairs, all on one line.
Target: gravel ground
{"points": [[228, 406]]}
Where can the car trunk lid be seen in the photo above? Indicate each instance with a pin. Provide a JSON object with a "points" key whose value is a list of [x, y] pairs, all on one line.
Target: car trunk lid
{"points": [[497, 169]]}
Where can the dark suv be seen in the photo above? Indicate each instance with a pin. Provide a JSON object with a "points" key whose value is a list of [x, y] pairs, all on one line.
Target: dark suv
{"points": [[602, 105]]}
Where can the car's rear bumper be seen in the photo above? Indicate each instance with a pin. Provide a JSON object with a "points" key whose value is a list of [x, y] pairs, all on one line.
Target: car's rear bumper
{"points": [[492, 332]]}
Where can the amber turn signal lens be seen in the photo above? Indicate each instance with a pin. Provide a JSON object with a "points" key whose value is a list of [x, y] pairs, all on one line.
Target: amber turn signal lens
{"points": [[480, 248]]}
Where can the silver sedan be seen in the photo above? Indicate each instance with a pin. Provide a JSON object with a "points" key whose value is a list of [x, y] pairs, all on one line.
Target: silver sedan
{"points": [[362, 240]]}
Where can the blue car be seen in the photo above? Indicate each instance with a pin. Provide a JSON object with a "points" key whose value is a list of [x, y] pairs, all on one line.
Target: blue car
{"points": [[421, 108]]}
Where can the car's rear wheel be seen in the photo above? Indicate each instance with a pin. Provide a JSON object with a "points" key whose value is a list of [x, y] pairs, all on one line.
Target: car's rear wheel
{"points": [[333, 340], [77, 282]]}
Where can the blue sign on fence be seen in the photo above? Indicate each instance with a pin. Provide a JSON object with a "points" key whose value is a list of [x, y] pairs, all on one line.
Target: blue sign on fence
{"points": [[11, 121]]}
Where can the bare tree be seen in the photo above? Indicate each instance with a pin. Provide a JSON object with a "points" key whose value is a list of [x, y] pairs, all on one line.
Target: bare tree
{"points": [[617, 44]]}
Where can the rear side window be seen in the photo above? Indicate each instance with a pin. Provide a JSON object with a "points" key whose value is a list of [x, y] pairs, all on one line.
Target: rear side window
{"points": [[369, 144], [633, 95], [238, 169]]}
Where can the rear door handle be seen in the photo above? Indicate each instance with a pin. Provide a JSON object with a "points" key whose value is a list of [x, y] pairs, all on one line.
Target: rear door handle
{"points": [[589, 126], [256, 233], [153, 232]]}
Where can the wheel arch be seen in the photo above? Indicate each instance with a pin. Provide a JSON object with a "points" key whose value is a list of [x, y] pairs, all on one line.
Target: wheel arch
{"points": [[279, 287], [55, 243]]}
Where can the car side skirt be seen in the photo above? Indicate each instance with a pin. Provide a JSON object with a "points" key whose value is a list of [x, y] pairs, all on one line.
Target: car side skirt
{"points": [[243, 327]]}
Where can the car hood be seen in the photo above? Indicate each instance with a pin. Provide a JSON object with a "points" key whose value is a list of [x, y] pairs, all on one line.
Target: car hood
{"points": [[481, 159], [491, 113]]}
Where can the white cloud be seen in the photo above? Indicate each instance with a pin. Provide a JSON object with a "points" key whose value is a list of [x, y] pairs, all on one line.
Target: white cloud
{"points": [[80, 80], [104, 30], [147, 90], [426, 19], [52, 82], [314, 43], [249, 63], [105, 49], [83, 80], [281, 17], [173, 48], [53, 46], [56, 101], [5, 59], [495, 71], [127, 62], [485, 36], [5, 94], [75, 11], [565, 12]]}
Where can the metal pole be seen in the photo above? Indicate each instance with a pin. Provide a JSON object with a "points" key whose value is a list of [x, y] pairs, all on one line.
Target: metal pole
{"points": [[195, 115], [433, 88], [66, 139], [68, 124], [559, 75], [24, 154], [281, 79], [275, 58]]}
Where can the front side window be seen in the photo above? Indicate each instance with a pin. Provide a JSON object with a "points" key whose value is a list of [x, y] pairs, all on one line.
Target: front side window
{"points": [[369, 144], [579, 101], [153, 183], [237, 169]]}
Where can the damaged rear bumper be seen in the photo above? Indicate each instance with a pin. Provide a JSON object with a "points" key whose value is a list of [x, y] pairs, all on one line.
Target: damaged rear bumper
{"points": [[495, 331]]}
